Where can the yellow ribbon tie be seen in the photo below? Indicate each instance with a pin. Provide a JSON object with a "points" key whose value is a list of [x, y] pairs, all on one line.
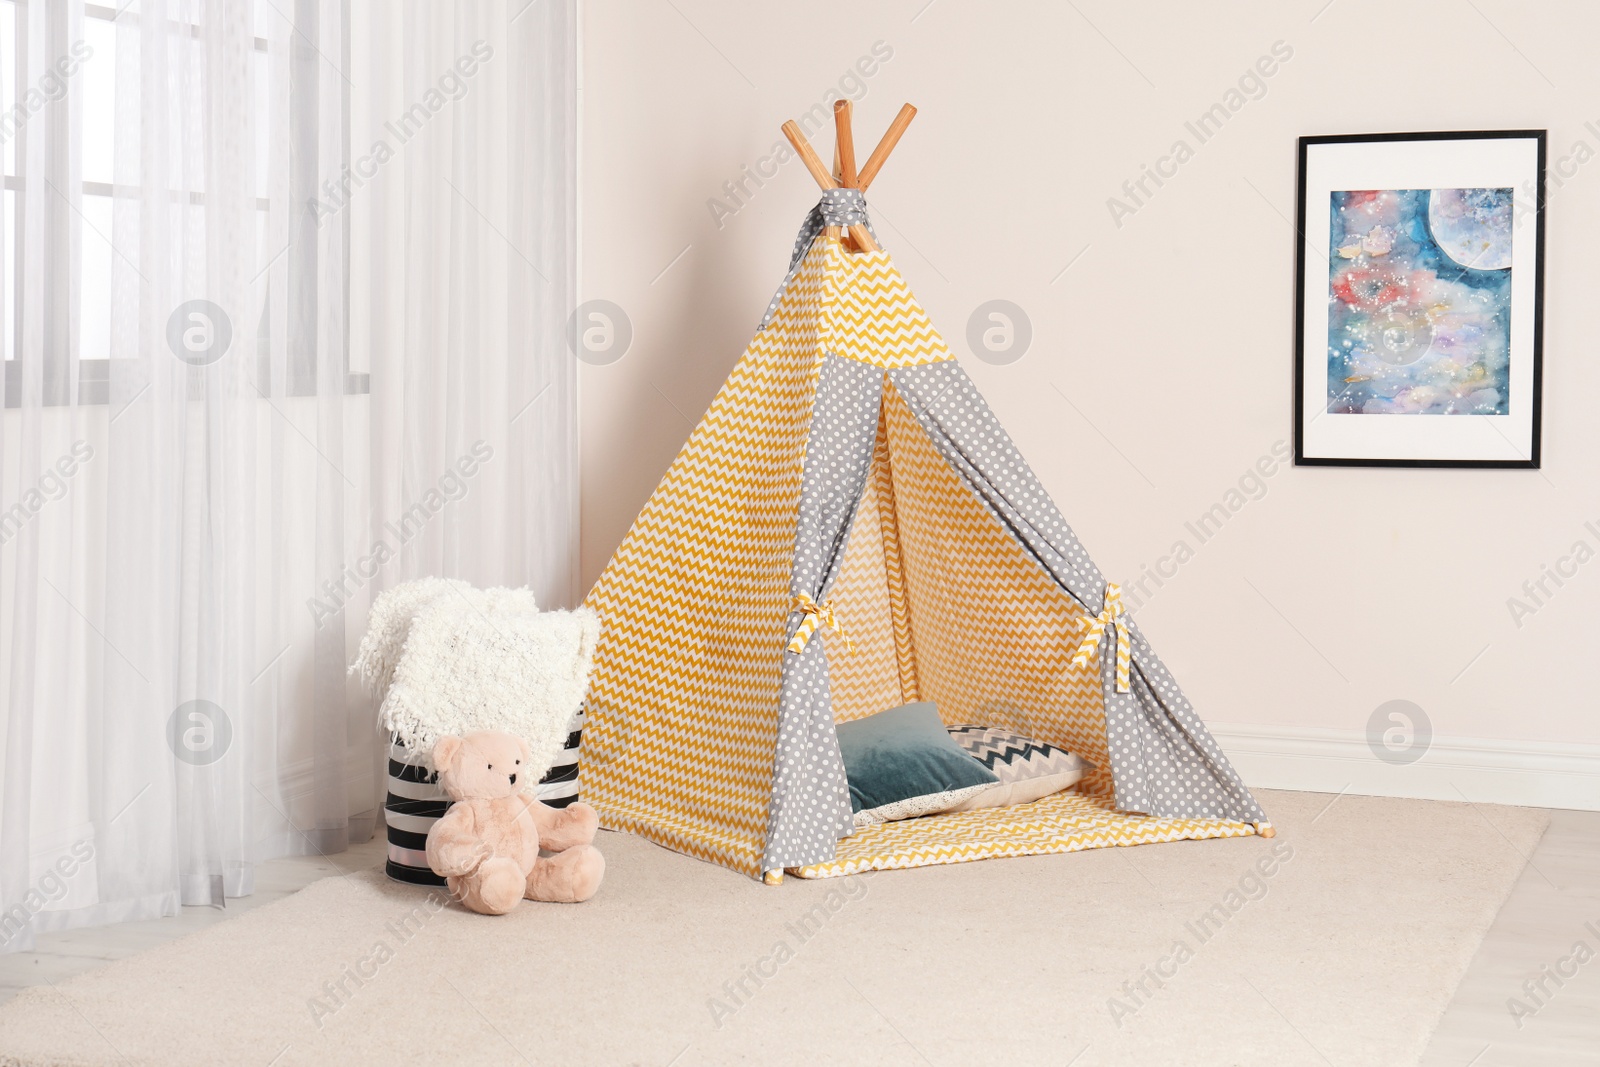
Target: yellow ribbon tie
{"points": [[816, 615], [1114, 614]]}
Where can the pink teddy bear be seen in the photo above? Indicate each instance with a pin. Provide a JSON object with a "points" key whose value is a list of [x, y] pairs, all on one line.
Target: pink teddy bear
{"points": [[487, 845]]}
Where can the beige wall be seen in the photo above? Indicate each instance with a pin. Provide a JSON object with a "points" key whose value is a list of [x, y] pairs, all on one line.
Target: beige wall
{"points": [[1160, 366]]}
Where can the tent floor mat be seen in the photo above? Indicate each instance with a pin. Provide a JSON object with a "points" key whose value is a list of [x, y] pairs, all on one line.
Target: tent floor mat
{"points": [[1062, 822]]}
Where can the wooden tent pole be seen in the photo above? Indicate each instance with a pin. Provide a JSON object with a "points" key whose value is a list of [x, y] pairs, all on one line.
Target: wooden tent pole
{"points": [[813, 163], [819, 171], [844, 164], [808, 155], [891, 138], [863, 238], [844, 143], [845, 147], [834, 231]]}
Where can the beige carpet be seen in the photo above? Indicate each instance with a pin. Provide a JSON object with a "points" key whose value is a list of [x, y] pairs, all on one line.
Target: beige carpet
{"points": [[1347, 954]]}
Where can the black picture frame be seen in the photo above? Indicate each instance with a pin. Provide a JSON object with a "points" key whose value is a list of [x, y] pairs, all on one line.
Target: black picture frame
{"points": [[1537, 309]]}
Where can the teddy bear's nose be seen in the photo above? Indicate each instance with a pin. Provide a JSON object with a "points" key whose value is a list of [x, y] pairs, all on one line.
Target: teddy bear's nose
{"points": [[513, 779]]}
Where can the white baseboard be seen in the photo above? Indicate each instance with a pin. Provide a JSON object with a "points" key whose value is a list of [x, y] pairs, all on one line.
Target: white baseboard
{"points": [[1537, 774]]}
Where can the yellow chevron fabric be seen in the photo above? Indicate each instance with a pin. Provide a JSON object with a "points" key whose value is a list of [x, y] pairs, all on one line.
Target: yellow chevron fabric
{"points": [[871, 314], [993, 634], [905, 655], [683, 701], [682, 704], [1064, 822], [865, 681]]}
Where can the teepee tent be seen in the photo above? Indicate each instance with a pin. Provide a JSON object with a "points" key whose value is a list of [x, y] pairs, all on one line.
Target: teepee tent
{"points": [[849, 529]]}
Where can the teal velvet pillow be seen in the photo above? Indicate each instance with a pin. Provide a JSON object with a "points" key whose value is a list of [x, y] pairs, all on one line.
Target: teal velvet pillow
{"points": [[902, 753]]}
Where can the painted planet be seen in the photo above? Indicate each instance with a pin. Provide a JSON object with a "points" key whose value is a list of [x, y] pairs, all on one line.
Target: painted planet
{"points": [[1473, 226]]}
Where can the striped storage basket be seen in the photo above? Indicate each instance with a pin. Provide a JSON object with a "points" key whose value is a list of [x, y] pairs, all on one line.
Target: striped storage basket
{"points": [[416, 802]]}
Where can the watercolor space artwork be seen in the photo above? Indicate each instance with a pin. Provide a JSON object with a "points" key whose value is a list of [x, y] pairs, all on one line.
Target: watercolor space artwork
{"points": [[1420, 281], [1419, 321]]}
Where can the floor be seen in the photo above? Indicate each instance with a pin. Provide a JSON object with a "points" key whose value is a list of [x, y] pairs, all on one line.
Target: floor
{"points": [[1535, 938], [1547, 935], [62, 955]]}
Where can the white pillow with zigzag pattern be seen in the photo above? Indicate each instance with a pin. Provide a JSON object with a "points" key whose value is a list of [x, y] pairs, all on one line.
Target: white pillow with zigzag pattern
{"points": [[1028, 770]]}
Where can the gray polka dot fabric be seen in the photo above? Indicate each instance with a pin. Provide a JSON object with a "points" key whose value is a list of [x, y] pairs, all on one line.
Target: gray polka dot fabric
{"points": [[810, 807], [842, 207], [1163, 759], [838, 207]]}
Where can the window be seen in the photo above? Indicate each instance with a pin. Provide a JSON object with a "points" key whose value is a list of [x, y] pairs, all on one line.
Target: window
{"points": [[92, 59]]}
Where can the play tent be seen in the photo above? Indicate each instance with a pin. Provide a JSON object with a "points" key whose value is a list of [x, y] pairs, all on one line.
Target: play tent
{"points": [[848, 529]]}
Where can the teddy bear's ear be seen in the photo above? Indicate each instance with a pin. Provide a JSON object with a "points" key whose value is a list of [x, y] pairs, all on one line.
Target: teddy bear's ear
{"points": [[445, 751], [527, 753]]}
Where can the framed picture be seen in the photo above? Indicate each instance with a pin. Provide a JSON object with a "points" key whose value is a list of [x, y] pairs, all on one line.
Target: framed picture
{"points": [[1419, 299]]}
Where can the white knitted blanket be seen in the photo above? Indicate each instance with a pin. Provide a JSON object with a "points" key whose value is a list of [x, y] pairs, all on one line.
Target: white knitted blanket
{"points": [[445, 658]]}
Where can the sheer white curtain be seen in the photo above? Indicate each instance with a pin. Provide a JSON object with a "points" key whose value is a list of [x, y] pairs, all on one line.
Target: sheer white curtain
{"points": [[463, 188], [256, 369]]}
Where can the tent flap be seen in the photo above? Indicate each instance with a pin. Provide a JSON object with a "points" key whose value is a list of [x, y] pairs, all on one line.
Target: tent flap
{"points": [[810, 807], [1163, 759]]}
